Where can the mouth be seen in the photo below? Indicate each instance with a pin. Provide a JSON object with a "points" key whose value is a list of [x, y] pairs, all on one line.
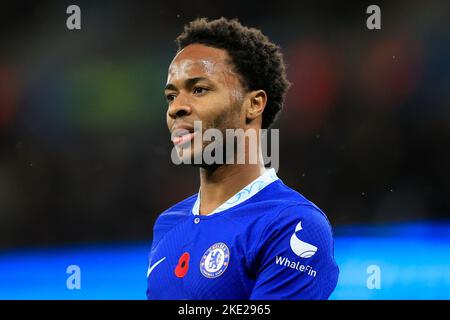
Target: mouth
{"points": [[182, 135]]}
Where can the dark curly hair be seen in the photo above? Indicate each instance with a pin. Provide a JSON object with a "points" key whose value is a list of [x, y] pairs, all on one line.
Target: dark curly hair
{"points": [[256, 59]]}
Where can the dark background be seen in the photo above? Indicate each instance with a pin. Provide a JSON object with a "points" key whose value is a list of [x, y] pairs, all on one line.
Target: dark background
{"points": [[85, 154]]}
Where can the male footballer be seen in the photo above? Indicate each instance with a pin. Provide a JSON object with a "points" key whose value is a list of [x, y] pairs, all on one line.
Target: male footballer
{"points": [[245, 234]]}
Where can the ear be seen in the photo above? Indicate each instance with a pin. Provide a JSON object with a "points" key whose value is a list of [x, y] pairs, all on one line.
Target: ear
{"points": [[258, 101]]}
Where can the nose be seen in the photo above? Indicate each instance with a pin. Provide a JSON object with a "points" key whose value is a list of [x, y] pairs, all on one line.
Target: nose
{"points": [[179, 107]]}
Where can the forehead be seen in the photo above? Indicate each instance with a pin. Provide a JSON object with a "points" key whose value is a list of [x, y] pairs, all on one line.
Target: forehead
{"points": [[201, 52], [199, 60]]}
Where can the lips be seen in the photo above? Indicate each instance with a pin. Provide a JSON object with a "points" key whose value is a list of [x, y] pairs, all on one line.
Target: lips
{"points": [[181, 135], [183, 138]]}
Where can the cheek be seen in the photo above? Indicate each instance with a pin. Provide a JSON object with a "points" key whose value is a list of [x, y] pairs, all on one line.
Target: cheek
{"points": [[229, 118], [214, 111]]}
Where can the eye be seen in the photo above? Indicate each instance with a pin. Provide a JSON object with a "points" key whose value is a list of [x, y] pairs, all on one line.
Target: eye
{"points": [[199, 90], [170, 97]]}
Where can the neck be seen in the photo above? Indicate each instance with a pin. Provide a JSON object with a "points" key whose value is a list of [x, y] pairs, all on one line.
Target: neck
{"points": [[221, 183]]}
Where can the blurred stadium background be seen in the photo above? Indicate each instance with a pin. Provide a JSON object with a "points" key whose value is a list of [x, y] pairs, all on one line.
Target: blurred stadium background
{"points": [[85, 155]]}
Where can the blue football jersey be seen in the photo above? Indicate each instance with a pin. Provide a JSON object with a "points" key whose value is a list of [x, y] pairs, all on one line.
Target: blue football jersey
{"points": [[267, 242]]}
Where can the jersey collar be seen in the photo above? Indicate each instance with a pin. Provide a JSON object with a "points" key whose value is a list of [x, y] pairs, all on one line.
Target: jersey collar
{"points": [[246, 193]]}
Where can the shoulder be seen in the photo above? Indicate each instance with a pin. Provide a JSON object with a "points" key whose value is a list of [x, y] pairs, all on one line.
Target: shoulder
{"points": [[283, 205], [180, 209], [301, 216], [172, 216], [287, 212], [295, 217]]}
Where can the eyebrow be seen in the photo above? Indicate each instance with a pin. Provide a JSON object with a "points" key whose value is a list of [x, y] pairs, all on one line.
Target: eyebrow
{"points": [[188, 83]]}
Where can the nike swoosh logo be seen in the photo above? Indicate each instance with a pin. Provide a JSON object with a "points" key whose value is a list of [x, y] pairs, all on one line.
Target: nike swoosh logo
{"points": [[150, 269]]}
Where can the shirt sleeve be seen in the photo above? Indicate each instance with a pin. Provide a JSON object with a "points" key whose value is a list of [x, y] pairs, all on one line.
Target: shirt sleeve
{"points": [[294, 259]]}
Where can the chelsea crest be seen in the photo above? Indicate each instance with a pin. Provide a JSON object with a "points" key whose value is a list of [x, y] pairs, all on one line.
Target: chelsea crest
{"points": [[215, 260]]}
